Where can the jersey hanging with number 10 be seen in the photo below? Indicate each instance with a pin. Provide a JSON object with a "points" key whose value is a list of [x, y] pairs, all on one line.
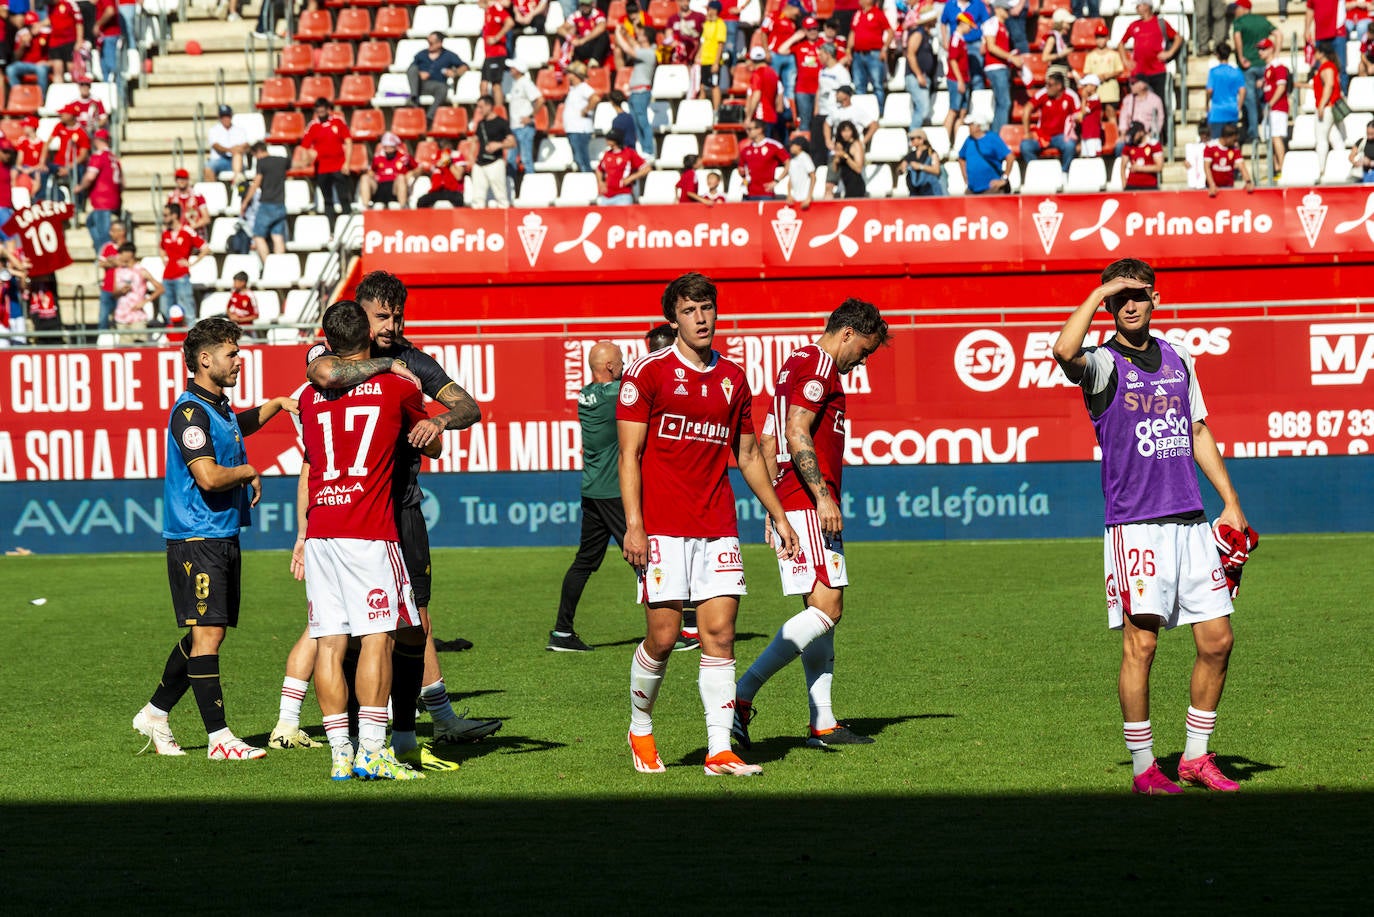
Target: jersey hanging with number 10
{"points": [[41, 231]]}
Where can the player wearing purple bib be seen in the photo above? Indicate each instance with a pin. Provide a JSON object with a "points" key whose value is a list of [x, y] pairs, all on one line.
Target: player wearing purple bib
{"points": [[1162, 566]]}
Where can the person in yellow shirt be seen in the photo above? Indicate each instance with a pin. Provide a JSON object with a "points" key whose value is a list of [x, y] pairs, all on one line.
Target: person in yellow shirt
{"points": [[713, 34]]}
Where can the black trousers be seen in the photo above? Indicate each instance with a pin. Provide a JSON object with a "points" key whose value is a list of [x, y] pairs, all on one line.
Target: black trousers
{"points": [[335, 188], [602, 520]]}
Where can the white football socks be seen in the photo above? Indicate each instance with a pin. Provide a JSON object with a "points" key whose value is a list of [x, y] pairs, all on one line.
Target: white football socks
{"points": [[292, 694], [437, 703], [372, 728], [716, 681], [1200, 725], [336, 730], [1140, 742], [818, 662], [646, 676], [795, 635]]}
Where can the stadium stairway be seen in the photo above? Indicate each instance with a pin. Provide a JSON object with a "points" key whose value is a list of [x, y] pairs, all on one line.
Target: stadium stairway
{"points": [[160, 111]]}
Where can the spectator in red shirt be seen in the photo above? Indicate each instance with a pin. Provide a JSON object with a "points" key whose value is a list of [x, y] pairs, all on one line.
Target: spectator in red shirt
{"points": [[620, 167], [759, 160], [242, 309], [104, 183], [445, 167], [584, 36], [181, 249], [33, 156], [1144, 159], [804, 47], [30, 54], [68, 34], [1054, 106], [870, 34], [72, 149], [388, 180], [959, 73], [780, 28], [194, 208], [715, 194], [529, 16], [90, 112], [329, 141], [107, 259], [1222, 158], [687, 184], [765, 93], [1153, 44], [108, 29], [1089, 117], [496, 25]]}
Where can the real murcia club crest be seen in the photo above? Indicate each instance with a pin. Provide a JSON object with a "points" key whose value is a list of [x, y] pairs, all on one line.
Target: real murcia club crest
{"points": [[786, 227], [532, 232], [728, 388], [1047, 221], [1313, 215]]}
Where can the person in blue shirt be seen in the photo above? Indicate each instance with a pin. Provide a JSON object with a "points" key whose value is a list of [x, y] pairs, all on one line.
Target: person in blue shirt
{"points": [[207, 496], [1225, 91], [431, 72], [985, 159]]}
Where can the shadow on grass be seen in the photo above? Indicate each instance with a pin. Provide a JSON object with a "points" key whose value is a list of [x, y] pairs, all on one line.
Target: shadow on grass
{"points": [[776, 748], [1277, 852], [1238, 768], [635, 641]]}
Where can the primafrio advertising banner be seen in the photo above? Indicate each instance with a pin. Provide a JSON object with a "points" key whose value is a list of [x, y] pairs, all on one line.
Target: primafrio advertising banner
{"points": [[891, 236], [967, 395]]}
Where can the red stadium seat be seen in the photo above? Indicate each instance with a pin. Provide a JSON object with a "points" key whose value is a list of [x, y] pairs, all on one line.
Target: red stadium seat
{"points": [[1084, 33], [553, 85], [315, 87], [287, 127], [739, 80], [719, 151], [295, 60], [367, 124], [335, 57], [614, 13], [392, 22], [373, 57], [1076, 59], [24, 100], [425, 149], [1012, 135], [301, 166], [449, 121], [600, 80], [658, 13], [468, 148], [314, 26], [352, 24], [1048, 7], [1036, 65], [277, 92], [357, 90], [358, 160], [541, 119], [556, 128], [825, 9], [12, 128], [408, 123]]}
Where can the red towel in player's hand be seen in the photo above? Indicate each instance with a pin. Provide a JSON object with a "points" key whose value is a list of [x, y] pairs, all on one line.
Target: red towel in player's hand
{"points": [[1234, 546]]}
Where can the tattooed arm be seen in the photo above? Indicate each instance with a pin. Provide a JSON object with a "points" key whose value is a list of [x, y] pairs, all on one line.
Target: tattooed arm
{"points": [[462, 413], [808, 468], [331, 372]]}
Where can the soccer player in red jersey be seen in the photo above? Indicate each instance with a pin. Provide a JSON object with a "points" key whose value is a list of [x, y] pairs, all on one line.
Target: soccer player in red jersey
{"points": [[355, 577], [803, 444], [683, 411]]}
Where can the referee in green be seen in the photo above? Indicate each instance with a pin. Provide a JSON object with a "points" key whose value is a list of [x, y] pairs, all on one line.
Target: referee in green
{"points": [[207, 495], [603, 515]]}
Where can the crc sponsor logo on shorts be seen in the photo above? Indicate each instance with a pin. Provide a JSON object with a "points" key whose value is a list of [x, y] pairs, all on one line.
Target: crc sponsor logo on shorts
{"points": [[985, 360], [1341, 353], [379, 604]]}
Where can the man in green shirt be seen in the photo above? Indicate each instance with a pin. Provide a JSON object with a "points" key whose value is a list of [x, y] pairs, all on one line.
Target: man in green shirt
{"points": [[603, 515], [1248, 30]]}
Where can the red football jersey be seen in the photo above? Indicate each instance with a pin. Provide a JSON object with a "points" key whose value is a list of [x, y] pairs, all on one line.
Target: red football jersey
{"points": [[760, 162], [492, 22], [811, 380], [241, 308], [1274, 75], [389, 168], [350, 442], [41, 229], [615, 165], [327, 139], [808, 66], [1222, 161], [694, 417], [176, 247]]}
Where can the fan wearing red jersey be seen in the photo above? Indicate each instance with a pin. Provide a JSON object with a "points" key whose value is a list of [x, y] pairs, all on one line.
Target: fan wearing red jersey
{"points": [[683, 411], [803, 443], [356, 581]]}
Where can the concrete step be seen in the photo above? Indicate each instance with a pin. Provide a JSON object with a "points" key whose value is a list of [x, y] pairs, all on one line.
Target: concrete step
{"points": [[160, 100], [233, 74], [147, 129]]}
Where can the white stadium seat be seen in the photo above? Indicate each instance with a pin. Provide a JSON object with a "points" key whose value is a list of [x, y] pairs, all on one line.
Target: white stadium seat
{"points": [[677, 147], [1301, 168], [660, 187], [554, 155], [671, 81], [281, 272], [889, 144], [578, 190], [537, 189], [426, 19], [1087, 174], [309, 233], [248, 264]]}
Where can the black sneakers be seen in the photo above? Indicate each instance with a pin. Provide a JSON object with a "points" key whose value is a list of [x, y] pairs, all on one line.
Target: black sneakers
{"points": [[840, 735], [572, 643]]}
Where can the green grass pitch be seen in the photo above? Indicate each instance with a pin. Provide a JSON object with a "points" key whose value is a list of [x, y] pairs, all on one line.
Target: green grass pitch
{"points": [[985, 670]]}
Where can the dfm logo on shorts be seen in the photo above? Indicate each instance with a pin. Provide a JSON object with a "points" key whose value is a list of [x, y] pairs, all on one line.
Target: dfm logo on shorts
{"points": [[380, 604]]}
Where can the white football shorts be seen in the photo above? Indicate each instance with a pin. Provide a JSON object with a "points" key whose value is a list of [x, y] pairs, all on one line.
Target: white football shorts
{"points": [[1278, 125], [356, 586], [698, 569], [821, 559], [1171, 571]]}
